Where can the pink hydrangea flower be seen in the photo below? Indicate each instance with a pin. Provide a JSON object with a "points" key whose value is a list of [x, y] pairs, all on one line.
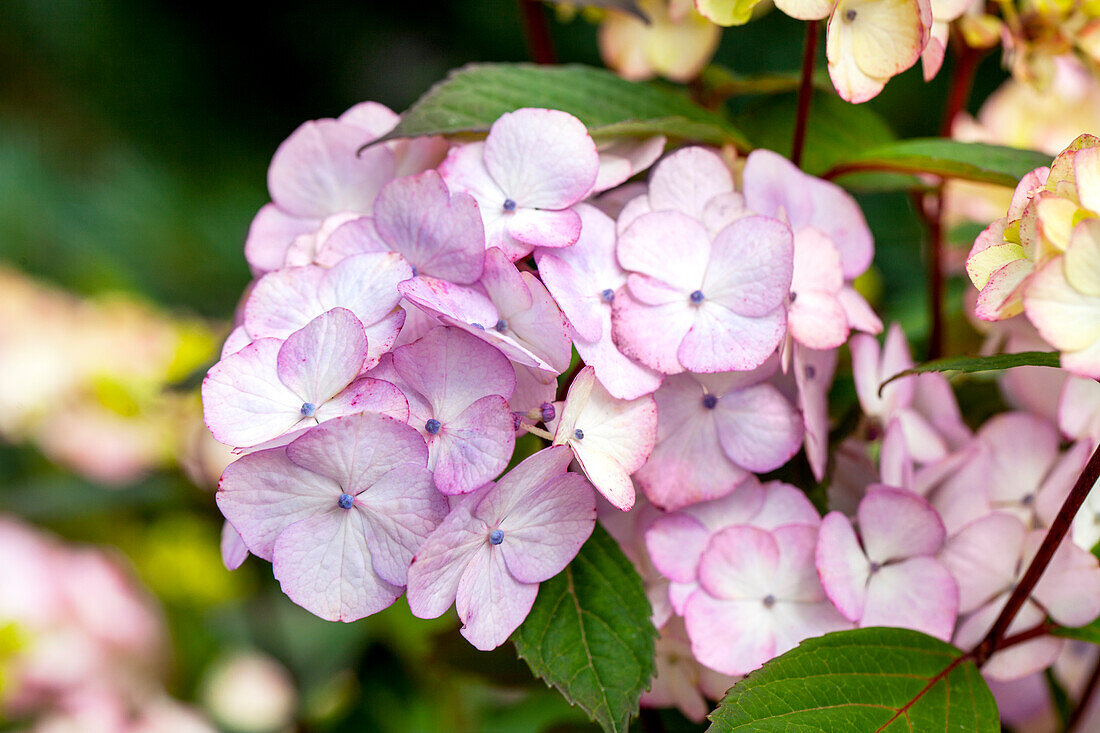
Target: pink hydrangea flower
{"points": [[621, 158], [988, 557], [458, 389], [274, 388], [676, 540], [583, 280], [339, 512], [532, 167], [495, 547], [234, 550], [611, 438], [716, 306], [759, 596], [284, 301], [507, 308], [887, 573], [439, 233], [712, 430]]}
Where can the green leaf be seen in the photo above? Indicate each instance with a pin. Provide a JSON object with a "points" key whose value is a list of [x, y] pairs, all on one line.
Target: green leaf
{"points": [[947, 158], [968, 364], [471, 98], [1089, 632], [589, 634], [859, 681], [835, 130]]}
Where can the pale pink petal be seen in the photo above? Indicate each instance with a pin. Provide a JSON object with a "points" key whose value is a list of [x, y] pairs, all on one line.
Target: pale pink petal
{"points": [[234, 550], [244, 402], [813, 373], [651, 334], [688, 466], [741, 563], [783, 504], [896, 524], [541, 158], [842, 566], [687, 179], [1017, 661], [622, 158], [918, 593], [621, 376], [675, 543], [399, 511], [491, 603], [323, 564], [528, 476], [262, 493], [731, 637], [858, 311], [545, 530], [757, 427], [439, 233], [643, 248], [473, 447], [438, 566], [543, 228], [366, 395], [750, 266], [357, 450], [270, 235], [794, 622], [1079, 409], [318, 170], [321, 359], [983, 557], [774, 186], [1069, 590]]}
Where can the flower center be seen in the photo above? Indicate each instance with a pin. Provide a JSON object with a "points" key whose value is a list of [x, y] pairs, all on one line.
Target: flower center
{"points": [[578, 434], [501, 326], [811, 372], [875, 567], [547, 411], [696, 297], [308, 408], [850, 14], [608, 295], [709, 401], [433, 426], [794, 297], [496, 537], [509, 205], [345, 501], [769, 601]]}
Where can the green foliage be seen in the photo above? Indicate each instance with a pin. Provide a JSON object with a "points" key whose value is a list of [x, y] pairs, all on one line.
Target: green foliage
{"points": [[835, 131], [858, 681], [947, 158], [589, 633], [993, 363], [471, 98]]}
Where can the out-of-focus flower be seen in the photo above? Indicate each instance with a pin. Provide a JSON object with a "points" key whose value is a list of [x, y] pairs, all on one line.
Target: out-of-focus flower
{"points": [[680, 681], [250, 692], [676, 43], [90, 643], [85, 379]]}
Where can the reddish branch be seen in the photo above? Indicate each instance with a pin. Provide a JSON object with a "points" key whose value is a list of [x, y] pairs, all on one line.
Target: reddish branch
{"points": [[805, 92], [540, 43]]}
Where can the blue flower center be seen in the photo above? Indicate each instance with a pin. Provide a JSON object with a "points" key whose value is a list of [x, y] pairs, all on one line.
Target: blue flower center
{"points": [[345, 501], [308, 408], [709, 401], [578, 434], [769, 601], [415, 271], [496, 537], [478, 326], [608, 295], [547, 411], [433, 426], [509, 205], [696, 297], [502, 326]]}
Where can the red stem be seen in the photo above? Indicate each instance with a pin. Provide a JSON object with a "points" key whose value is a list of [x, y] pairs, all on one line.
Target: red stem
{"points": [[966, 66], [540, 44], [1057, 532], [805, 92], [937, 336]]}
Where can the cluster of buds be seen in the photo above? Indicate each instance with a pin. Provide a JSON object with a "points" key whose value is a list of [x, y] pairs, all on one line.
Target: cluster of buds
{"points": [[413, 322], [1043, 258]]}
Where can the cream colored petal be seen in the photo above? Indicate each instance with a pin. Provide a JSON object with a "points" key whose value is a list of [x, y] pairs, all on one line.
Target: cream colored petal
{"points": [[806, 9], [1082, 265]]}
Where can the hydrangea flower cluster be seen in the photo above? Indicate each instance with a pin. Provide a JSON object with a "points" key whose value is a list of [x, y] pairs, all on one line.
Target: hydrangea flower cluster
{"points": [[416, 309], [1043, 257]]}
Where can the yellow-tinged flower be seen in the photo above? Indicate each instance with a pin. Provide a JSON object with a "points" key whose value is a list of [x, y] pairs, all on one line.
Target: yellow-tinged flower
{"points": [[870, 41], [676, 44]]}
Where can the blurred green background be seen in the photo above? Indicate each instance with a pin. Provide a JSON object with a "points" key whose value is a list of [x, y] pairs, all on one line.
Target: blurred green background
{"points": [[134, 143]]}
